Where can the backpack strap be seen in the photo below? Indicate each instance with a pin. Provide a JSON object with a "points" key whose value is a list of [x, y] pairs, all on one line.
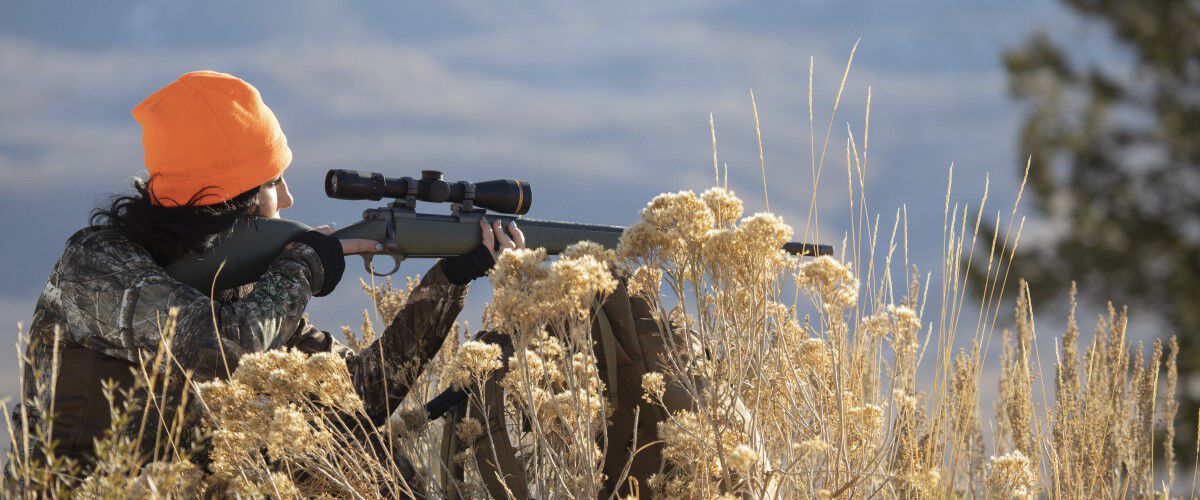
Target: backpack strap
{"points": [[452, 471], [609, 342], [495, 454]]}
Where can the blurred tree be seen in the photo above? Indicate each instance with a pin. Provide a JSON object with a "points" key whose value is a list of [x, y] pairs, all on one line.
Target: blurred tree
{"points": [[1115, 151]]}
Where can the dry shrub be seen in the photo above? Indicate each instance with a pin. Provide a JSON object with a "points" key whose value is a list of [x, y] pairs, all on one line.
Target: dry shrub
{"points": [[791, 399], [831, 404]]}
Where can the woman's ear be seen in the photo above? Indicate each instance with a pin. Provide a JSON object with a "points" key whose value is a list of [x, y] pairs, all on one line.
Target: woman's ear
{"points": [[264, 201]]}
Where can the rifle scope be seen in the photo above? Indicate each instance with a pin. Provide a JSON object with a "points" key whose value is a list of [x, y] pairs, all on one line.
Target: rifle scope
{"points": [[509, 196]]}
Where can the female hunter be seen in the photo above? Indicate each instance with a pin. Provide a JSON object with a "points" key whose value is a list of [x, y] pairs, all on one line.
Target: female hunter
{"points": [[214, 153]]}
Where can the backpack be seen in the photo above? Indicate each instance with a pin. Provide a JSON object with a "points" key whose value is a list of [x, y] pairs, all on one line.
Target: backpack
{"points": [[628, 343]]}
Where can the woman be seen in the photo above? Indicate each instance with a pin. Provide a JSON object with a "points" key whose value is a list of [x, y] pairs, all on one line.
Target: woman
{"points": [[215, 153]]}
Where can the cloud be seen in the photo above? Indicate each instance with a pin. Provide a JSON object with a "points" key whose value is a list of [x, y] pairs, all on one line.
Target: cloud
{"points": [[489, 93]]}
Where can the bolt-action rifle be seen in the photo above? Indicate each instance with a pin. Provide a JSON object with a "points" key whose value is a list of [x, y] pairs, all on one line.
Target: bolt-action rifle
{"points": [[243, 255]]}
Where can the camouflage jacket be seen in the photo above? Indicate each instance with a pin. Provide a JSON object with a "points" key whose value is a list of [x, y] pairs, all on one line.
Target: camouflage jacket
{"points": [[106, 302]]}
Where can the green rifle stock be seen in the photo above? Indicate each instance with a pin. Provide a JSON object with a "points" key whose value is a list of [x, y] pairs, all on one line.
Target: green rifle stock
{"points": [[243, 255]]}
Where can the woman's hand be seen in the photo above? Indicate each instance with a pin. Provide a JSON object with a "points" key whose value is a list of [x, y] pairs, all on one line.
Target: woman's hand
{"points": [[352, 245], [495, 232]]}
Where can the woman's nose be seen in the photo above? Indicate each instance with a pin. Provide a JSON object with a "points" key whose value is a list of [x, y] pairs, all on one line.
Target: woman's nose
{"points": [[285, 196]]}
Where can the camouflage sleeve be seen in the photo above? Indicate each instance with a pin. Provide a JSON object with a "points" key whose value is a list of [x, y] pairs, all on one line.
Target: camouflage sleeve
{"points": [[116, 300], [383, 371]]}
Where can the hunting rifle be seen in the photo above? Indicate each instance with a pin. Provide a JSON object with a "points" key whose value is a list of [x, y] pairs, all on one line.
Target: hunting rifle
{"points": [[244, 254]]}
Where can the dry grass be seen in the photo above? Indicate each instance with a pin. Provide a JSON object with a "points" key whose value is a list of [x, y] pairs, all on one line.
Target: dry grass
{"points": [[806, 377]]}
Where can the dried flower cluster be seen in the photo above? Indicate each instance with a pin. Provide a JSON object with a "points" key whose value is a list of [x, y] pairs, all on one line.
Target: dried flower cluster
{"points": [[531, 293], [831, 281], [272, 405], [1012, 475], [473, 362]]}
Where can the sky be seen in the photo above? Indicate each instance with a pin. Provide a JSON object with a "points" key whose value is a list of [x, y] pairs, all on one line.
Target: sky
{"points": [[599, 105]]}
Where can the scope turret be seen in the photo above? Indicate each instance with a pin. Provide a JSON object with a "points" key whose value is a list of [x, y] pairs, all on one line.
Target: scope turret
{"points": [[508, 196]]}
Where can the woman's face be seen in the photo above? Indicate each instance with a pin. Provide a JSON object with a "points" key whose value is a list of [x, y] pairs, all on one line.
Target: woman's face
{"points": [[273, 196]]}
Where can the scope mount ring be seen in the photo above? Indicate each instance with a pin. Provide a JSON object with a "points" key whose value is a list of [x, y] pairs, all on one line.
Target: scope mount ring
{"points": [[410, 193], [468, 202]]}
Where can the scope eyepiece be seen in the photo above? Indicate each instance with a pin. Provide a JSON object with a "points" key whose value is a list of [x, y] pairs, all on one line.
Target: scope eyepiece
{"points": [[351, 185], [508, 196]]}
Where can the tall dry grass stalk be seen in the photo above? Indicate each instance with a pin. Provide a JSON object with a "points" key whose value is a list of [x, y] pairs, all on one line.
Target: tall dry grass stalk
{"points": [[803, 377]]}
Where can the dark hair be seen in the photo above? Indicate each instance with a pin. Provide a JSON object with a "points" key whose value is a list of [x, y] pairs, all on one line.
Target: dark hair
{"points": [[168, 232]]}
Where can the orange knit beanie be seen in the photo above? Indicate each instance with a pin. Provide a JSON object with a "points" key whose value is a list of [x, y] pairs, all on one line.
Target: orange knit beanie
{"points": [[210, 132]]}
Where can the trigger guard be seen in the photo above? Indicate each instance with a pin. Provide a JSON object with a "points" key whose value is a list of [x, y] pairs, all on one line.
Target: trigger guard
{"points": [[368, 258]]}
